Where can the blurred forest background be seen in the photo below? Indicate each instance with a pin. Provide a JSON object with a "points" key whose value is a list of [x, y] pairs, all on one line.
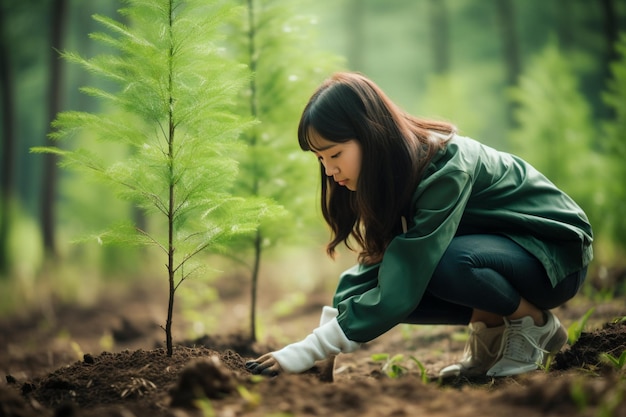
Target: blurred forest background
{"points": [[545, 79]]}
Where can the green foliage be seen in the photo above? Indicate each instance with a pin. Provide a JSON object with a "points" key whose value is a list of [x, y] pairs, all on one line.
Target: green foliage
{"points": [[555, 131], [460, 98], [200, 306], [174, 112], [599, 295], [576, 328], [614, 147], [392, 46], [275, 40], [287, 305]]}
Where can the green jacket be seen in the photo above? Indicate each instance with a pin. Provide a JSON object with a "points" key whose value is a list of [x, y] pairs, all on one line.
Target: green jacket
{"points": [[470, 187]]}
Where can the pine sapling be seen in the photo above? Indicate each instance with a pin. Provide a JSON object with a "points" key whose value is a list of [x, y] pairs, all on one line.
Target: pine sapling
{"points": [[174, 110], [274, 39]]}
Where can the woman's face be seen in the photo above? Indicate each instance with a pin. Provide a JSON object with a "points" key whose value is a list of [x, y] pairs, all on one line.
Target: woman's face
{"points": [[342, 161]]}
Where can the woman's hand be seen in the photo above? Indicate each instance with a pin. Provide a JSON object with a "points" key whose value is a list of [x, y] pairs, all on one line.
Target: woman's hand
{"points": [[265, 365], [325, 341]]}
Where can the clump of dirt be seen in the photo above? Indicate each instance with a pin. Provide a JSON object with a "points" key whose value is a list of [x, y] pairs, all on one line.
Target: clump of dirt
{"points": [[205, 378], [587, 351], [141, 381]]}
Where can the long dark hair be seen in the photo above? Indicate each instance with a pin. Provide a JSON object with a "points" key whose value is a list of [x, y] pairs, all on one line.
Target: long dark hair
{"points": [[395, 147]]}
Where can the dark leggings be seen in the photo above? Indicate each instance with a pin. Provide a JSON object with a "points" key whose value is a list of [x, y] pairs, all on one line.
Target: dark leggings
{"points": [[490, 273]]}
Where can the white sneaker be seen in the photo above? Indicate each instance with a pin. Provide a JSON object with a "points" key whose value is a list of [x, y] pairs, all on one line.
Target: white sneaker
{"points": [[481, 352], [525, 346]]}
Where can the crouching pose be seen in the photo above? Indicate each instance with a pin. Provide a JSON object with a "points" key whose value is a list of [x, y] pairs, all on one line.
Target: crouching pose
{"points": [[448, 231]]}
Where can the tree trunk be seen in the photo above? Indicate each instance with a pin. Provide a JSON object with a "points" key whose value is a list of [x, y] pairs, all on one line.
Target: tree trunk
{"points": [[510, 49], [8, 146], [356, 35], [565, 25], [252, 62], [171, 268], [611, 28], [611, 34], [49, 181], [439, 34], [255, 283]]}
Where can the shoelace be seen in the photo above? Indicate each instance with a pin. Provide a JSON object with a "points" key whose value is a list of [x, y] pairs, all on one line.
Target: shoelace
{"points": [[472, 346], [514, 348]]}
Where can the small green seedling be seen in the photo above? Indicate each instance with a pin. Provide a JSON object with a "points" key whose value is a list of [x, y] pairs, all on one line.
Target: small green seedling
{"points": [[204, 405], [423, 374], [578, 395], [392, 366], [77, 350], [251, 399], [617, 362], [547, 364], [575, 329]]}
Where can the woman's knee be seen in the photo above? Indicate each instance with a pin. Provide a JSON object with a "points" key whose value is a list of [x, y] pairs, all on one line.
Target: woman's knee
{"points": [[458, 260], [564, 291]]}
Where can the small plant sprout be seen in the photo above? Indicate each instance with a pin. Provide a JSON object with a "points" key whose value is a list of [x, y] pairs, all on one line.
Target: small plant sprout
{"points": [[78, 351], [617, 362], [251, 399], [423, 374], [575, 329], [548, 363], [392, 366], [204, 405]]}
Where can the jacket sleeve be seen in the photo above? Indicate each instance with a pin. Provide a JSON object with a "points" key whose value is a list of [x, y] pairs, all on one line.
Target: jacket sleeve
{"points": [[375, 306]]}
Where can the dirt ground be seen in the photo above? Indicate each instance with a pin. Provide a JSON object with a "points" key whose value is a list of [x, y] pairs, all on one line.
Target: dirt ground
{"points": [[53, 366]]}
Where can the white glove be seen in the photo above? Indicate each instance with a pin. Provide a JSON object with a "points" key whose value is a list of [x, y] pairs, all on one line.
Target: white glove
{"points": [[328, 339]]}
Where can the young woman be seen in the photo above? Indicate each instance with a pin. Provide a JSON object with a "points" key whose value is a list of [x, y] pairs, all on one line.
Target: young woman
{"points": [[448, 231]]}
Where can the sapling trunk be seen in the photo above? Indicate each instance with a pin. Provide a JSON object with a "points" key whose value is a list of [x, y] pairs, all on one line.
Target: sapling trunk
{"points": [[252, 57], [172, 195], [171, 272], [254, 286]]}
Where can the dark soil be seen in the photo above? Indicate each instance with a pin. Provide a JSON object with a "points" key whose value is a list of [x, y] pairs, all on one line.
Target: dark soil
{"points": [[48, 374]]}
